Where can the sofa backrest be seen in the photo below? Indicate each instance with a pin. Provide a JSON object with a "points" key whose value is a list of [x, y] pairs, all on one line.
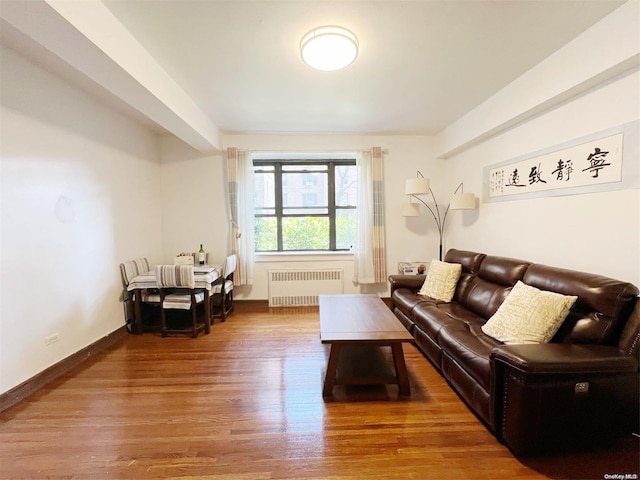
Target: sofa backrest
{"points": [[483, 291], [598, 316], [602, 308], [470, 262]]}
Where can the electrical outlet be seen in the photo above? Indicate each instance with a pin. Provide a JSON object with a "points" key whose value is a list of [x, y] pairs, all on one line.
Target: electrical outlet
{"points": [[51, 339]]}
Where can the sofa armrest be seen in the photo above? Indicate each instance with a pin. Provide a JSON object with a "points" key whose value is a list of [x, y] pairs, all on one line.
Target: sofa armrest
{"points": [[546, 396], [412, 282], [557, 358]]}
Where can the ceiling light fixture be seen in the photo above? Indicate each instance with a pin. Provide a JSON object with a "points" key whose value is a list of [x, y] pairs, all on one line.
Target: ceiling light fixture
{"points": [[329, 48]]}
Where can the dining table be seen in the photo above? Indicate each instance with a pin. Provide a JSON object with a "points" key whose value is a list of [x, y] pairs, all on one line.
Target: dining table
{"points": [[205, 276]]}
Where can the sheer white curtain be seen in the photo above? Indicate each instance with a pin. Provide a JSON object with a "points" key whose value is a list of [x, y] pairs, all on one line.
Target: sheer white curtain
{"points": [[369, 251], [240, 190]]}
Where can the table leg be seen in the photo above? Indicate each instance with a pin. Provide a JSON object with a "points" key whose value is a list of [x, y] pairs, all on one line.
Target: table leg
{"points": [[401, 369], [207, 312], [137, 311], [332, 367]]}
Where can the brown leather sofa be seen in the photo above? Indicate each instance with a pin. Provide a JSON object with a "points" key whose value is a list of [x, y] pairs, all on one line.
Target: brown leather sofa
{"points": [[579, 389]]}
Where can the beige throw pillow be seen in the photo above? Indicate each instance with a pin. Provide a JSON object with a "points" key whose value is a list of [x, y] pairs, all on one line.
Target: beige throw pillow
{"points": [[528, 315], [441, 280]]}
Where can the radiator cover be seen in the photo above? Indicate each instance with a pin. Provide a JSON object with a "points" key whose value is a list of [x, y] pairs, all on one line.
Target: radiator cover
{"points": [[294, 288]]}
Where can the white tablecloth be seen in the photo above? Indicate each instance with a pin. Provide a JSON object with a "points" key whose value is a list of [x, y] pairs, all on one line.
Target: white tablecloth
{"points": [[204, 277]]}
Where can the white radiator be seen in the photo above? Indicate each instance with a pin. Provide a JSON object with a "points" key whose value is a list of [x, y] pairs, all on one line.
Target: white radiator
{"points": [[293, 288]]}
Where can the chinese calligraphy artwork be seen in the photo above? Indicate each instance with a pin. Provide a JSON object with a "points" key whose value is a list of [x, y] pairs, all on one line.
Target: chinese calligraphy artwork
{"points": [[596, 162]]}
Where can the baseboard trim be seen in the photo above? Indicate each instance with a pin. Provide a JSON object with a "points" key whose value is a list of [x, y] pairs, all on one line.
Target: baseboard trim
{"points": [[35, 383], [264, 304], [251, 303]]}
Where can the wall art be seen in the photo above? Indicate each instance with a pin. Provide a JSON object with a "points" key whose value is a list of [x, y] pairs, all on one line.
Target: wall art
{"points": [[588, 164]]}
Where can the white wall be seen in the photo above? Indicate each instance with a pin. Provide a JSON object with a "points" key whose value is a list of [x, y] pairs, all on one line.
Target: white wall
{"points": [[589, 85], [597, 232], [194, 202], [194, 189], [80, 194], [602, 52]]}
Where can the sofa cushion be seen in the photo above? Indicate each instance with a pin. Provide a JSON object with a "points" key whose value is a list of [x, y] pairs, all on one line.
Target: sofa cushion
{"points": [[441, 280], [470, 348], [405, 300], [432, 317], [528, 315]]}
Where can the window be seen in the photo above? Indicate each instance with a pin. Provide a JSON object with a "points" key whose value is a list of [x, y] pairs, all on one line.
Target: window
{"points": [[303, 205]]}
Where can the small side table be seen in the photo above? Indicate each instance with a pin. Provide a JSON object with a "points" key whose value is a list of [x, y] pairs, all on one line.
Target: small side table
{"points": [[412, 268]]}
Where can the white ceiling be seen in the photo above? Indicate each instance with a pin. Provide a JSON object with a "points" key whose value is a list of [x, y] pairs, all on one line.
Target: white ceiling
{"points": [[421, 65]]}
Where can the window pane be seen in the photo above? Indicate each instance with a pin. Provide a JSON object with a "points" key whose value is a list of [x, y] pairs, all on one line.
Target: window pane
{"points": [[346, 185], [345, 228], [266, 231], [264, 192], [304, 190], [305, 233]]}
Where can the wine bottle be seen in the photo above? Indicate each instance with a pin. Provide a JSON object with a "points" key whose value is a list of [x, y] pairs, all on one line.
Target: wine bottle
{"points": [[201, 255]]}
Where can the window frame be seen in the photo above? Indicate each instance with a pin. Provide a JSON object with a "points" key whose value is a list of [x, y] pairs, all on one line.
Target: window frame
{"points": [[279, 215]]}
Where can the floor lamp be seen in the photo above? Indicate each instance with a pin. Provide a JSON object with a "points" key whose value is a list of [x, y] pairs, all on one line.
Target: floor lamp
{"points": [[420, 186]]}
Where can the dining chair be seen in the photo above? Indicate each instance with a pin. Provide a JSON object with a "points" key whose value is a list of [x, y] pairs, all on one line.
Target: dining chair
{"points": [[133, 268], [222, 292], [149, 297], [177, 292]]}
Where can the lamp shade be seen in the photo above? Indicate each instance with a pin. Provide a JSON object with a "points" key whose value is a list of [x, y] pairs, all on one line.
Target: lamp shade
{"points": [[329, 48], [416, 186], [411, 210], [463, 201]]}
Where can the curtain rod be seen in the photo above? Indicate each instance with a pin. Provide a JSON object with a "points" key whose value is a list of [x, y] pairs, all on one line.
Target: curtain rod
{"points": [[293, 152]]}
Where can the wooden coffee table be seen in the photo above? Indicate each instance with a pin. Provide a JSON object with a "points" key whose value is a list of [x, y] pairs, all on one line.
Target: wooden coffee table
{"points": [[358, 321]]}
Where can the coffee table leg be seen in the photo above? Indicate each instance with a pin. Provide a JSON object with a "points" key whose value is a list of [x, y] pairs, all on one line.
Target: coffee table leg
{"points": [[401, 369], [332, 367]]}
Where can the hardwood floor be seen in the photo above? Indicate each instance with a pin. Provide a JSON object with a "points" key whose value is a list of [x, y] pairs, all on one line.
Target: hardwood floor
{"points": [[245, 402]]}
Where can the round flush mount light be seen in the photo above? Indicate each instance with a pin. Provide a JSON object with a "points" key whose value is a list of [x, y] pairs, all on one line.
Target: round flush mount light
{"points": [[329, 48]]}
